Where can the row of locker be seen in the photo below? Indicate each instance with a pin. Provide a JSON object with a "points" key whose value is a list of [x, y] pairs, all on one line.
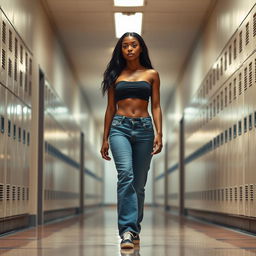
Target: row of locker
{"points": [[237, 50], [237, 90], [16, 62], [60, 130], [14, 154]]}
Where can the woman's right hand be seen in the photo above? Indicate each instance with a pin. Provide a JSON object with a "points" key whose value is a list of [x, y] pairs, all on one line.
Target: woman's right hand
{"points": [[104, 150]]}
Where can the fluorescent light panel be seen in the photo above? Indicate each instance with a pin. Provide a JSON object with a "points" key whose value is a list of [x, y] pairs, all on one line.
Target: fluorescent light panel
{"points": [[127, 23], [129, 2]]}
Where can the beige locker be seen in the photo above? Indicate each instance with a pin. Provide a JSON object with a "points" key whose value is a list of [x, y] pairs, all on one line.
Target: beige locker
{"points": [[2, 150], [4, 50], [10, 57]]}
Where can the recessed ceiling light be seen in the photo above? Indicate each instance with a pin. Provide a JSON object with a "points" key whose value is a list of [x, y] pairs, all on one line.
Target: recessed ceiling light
{"points": [[129, 2], [127, 22]]}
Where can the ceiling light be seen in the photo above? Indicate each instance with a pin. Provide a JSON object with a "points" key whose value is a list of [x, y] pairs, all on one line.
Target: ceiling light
{"points": [[128, 2], [127, 22]]}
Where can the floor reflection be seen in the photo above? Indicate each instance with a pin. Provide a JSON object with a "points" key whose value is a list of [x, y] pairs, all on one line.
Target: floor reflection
{"points": [[96, 234]]}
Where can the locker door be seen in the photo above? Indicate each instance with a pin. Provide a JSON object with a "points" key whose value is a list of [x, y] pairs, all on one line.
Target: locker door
{"points": [[16, 68], [4, 50], [21, 64], [2, 151], [30, 85], [10, 57], [253, 28], [26, 77], [248, 36]]}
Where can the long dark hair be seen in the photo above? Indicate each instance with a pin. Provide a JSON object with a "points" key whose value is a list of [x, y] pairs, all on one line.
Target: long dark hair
{"points": [[118, 62]]}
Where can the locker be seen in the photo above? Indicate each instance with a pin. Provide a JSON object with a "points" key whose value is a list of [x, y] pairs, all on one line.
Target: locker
{"points": [[2, 151], [10, 57], [4, 51], [21, 67], [16, 66]]}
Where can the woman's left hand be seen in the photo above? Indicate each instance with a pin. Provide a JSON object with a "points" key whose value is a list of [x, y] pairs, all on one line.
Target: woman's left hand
{"points": [[157, 145]]}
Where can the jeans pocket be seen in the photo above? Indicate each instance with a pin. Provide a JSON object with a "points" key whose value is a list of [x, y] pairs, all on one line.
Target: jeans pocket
{"points": [[116, 122], [147, 124]]}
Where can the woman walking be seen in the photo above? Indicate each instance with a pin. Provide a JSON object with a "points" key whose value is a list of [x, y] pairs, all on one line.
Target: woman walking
{"points": [[129, 81]]}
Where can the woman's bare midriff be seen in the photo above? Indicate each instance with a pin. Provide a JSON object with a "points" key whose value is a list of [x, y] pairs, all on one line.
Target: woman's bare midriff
{"points": [[132, 107]]}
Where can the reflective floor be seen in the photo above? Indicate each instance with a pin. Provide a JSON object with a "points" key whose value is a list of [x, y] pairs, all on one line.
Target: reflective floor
{"points": [[96, 234]]}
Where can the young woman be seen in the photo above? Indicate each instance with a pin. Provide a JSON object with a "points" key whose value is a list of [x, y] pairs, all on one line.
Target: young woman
{"points": [[130, 80]]}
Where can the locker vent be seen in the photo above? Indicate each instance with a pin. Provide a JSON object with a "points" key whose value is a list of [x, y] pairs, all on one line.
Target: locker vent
{"points": [[10, 68], [21, 79], [254, 24], [241, 41], [30, 66], [26, 62], [13, 193], [240, 83], [246, 192], [225, 60], [234, 49], [26, 82], [221, 66], [21, 54], [250, 74], [230, 55], [245, 79], [241, 193], [226, 193], [8, 186], [10, 40], [213, 77], [251, 191], [236, 193], [18, 193], [231, 193], [210, 81], [250, 121], [1, 192], [247, 34], [3, 58], [16, 48], [23, 193], [245, 124], [226, 96], [234, 88], [218, 104], [218, 72], [30, 88], [221, 100], [3, 32], [27, 193], [15, 70], [255, 70]]}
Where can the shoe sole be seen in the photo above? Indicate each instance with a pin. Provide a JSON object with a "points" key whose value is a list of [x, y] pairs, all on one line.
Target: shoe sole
{"points": [[127, 246]]}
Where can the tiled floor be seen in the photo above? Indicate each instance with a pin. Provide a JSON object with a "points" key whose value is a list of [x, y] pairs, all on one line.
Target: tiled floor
{"points": [[96, 234]]}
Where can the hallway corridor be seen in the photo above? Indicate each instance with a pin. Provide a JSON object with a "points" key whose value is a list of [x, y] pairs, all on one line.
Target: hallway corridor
{"points": [[96, 235]]}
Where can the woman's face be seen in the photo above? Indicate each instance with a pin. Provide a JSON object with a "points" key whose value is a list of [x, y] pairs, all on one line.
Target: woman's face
{"points": [[131, 48]]}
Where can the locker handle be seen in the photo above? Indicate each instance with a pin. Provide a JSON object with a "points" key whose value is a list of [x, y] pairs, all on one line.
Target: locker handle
{"points": [[2, 124], [250, 121], [28, 138], [19, 134], [226, 136], [230, 133], [14, 131], [235, 133], [239, 128], [245, 124], [9, 128], [24, 136], [221, 138]]}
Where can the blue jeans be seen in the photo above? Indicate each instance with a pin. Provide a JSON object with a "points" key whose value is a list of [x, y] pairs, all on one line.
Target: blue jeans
{"points": [[131, 142]]}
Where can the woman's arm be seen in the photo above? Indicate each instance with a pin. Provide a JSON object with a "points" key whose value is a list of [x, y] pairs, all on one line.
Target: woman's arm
{"points": [[110, 112], [156, 112]]}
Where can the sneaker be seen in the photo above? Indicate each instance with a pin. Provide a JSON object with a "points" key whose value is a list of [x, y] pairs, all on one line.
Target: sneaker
{"points": [[127, 240], [136, 238]]}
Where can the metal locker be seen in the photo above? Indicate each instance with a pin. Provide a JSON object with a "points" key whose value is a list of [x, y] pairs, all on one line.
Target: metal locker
{"points": [[21, 64], [30, 79], [16, 66], [4, 50], [26, 76], [253, 28], [10, 57], [2, 151]]}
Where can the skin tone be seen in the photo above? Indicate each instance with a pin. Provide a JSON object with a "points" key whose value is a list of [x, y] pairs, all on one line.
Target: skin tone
{"points": [[134, 107]]}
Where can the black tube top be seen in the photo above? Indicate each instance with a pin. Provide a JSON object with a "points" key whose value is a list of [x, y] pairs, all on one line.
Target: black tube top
{"points": [[133, 89]]}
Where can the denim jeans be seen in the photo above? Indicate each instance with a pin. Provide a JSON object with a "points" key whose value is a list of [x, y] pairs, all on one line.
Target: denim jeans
{"points": [[131, 142]]}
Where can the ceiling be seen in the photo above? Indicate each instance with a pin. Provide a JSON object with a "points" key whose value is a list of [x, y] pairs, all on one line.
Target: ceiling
{"points": [[87, 31]]}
